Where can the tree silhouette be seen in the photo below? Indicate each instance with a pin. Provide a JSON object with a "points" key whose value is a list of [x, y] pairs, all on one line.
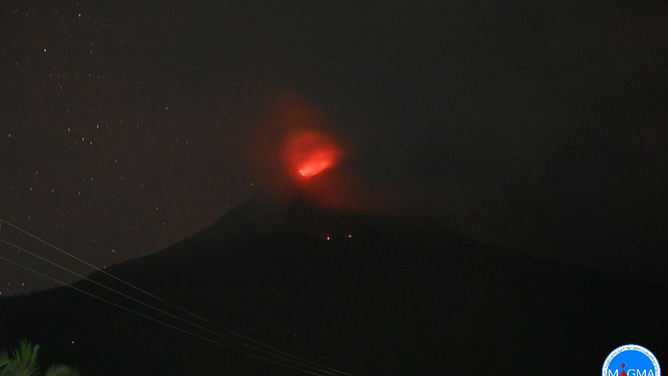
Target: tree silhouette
{"points": [[23, 362]]}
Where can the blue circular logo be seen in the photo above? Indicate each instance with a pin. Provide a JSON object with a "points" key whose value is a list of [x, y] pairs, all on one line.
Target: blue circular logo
{"points": [[631, 360]]}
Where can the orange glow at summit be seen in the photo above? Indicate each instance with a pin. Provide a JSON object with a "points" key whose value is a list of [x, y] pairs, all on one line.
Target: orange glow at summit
{"points": [[309, 153]]}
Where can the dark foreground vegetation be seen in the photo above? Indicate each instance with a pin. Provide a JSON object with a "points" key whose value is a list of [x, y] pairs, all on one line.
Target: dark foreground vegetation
{"points": [[23, 361]]}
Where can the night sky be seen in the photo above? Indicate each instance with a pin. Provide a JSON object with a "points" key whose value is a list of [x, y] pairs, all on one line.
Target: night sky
{"points": [[539, 125]]}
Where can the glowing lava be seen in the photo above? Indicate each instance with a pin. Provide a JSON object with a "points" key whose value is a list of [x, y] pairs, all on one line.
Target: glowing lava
{"points": [[315, 164], [309, 153]]}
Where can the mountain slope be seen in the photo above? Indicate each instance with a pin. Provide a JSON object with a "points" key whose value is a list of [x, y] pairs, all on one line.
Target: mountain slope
{"points": [[397, 298]]}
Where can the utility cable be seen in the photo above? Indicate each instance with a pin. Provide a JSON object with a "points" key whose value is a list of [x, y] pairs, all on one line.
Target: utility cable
{"points": [[158, 309], [156, 320], [299, 359]]}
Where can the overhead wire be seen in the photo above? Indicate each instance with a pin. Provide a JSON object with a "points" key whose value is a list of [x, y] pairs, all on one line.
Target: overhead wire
{"points": [[156, 320], [169, 303], [294, 359], [158, 309]]}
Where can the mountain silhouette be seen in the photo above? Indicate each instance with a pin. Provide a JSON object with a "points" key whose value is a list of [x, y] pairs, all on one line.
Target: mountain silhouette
{"points": [[365, 294]]}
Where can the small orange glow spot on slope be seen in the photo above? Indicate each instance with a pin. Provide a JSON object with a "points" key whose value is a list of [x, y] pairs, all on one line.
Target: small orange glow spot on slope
{"points": [[309, 153], [328, 238], [72, 343], [350, 236]]}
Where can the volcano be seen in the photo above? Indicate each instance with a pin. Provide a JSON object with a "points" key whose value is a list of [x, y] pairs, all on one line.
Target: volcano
{"points": [[365, 294]]}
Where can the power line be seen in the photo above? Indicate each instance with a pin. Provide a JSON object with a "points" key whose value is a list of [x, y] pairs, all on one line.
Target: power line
{"points": [[156, 320], [160, 310], [298, 360]]}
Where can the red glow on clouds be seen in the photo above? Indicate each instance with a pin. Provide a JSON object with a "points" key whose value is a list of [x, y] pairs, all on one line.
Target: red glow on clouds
{"points": [[309, 153], [295, 151]]}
